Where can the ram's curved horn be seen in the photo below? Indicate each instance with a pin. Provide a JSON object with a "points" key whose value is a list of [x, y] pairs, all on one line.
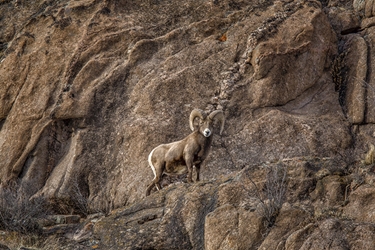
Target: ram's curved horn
{"points": [[219, 115], [196, 113]]}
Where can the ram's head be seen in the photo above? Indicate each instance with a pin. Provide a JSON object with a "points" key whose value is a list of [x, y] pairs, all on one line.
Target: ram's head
{"points": [[206, 122]]}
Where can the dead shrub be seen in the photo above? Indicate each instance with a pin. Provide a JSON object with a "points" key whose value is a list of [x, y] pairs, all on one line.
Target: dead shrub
{"points": [[272, 196], [20, 213]]}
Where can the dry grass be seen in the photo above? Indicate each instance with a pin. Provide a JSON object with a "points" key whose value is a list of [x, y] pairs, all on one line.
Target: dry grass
{"points": [[18, 212]]}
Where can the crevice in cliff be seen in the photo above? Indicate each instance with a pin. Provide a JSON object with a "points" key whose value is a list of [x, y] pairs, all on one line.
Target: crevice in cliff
{"points": [[367, 86], [2, 121], [339, 76], [351, 31]]}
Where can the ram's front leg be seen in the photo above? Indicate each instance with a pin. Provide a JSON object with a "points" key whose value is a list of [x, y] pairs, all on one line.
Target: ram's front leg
{"points": [[197, 169], [189, 165]]}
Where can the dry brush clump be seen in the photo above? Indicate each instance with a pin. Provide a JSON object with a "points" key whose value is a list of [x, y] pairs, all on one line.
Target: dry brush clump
{"points": [[80, 199], [273, 194], [20, 213], [80, 203]]}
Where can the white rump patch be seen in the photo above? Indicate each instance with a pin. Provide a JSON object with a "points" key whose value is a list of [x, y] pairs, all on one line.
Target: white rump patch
{"points": [[150, 163]]}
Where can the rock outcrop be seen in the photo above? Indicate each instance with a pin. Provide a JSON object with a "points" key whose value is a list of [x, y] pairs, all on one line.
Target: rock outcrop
{"points": [[88, 88], [322, 209]]}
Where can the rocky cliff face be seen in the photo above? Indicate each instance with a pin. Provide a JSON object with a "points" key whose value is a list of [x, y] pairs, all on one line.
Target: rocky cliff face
{"points": [[89, 88]]}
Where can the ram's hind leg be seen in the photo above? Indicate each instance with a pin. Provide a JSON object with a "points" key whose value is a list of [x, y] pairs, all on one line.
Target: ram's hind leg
{"points": [[149, 188], [158, 171], [158, 174]]}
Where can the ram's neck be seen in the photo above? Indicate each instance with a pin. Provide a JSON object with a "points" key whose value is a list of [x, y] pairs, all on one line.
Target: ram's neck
{"points": [[202, 140]]}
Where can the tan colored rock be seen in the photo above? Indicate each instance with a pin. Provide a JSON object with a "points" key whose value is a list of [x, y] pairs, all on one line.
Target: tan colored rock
{"points": [[365, 137], [356, 62], [221, 230], [296, 239], [360, 203], [368, 22], [286, 223], [362, 237], [370, 155], [332, 189], [336, 234], [286, 64], [329, 196], [359, 5], [230, 228], [344, 21], [368, 8], [328, 235]]}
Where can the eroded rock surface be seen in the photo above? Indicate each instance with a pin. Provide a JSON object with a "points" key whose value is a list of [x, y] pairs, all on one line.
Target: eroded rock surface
{"points": [[321, 210], [88, 88]]}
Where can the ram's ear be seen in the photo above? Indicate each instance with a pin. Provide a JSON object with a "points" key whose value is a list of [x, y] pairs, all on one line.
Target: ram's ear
{"points": [[219, 116], [194, 114]]}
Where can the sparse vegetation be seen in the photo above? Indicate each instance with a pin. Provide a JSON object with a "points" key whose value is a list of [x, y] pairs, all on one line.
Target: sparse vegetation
{"points": [[80, 199], [20, 213], [79, 203], [272, 195]]}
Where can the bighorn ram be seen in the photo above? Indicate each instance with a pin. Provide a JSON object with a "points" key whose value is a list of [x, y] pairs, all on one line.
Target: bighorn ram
{"points": [[178, 157]]}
